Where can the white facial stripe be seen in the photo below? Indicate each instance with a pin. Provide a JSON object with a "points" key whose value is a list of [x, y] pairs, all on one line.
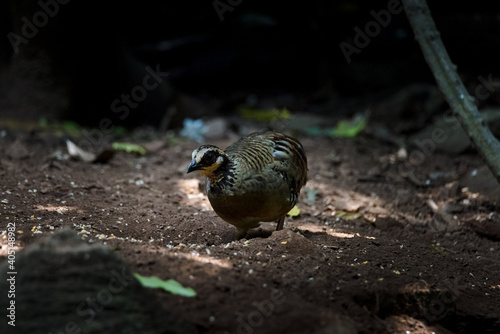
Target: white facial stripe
{"points": [[201, 151], [219, 161], [198, 154]]}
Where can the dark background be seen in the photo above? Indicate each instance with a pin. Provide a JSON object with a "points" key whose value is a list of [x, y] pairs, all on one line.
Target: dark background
{"points": [[392, 221], [91, 52]]}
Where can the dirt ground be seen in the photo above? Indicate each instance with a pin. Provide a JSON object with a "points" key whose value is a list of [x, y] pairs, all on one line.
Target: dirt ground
{"points": [[372, 251]]}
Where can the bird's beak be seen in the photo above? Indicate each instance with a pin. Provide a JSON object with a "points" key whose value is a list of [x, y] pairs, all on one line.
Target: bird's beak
{"points": [[193, 166]]}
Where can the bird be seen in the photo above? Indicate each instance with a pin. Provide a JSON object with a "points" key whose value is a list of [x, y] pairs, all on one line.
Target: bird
{"points": [[256, 179]]}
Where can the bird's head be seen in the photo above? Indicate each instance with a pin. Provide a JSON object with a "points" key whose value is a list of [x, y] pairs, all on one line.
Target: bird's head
{"points": [[207, 159]]}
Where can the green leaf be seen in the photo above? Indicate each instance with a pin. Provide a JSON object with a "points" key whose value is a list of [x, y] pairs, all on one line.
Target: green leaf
{"points": [[350, 128], [347, 215], [170, 285], [43, 122], [294, 212], [71, 127], [129, 147], [264, 115]]}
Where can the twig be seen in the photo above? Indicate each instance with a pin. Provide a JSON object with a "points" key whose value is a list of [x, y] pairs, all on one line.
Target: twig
{"points": [[450, 84]]}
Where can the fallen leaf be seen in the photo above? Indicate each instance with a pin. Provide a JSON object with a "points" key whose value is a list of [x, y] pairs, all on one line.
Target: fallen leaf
{"points": [[346, 215], [79, 153], [264, 115], [350, 128], [129, 147], [170, 285], [76, 152], [294, 212]]}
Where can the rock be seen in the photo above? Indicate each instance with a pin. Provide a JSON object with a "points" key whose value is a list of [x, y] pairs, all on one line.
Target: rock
{"points": [[487, 228], [17, 150], [216, 129], [64, 285]]}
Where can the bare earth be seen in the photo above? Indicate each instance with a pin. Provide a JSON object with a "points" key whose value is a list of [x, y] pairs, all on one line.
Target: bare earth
{"points": [[367, 253]]}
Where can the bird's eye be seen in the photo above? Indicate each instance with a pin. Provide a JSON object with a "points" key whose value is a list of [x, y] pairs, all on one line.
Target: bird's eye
{"points": [[209, 158]]}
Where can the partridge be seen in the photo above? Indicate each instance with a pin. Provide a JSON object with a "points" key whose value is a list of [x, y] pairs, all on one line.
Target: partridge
{"points": [[256, 179]]}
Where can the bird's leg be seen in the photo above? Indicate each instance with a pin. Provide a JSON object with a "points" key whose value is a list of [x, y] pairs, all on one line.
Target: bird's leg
{"points": [[281, 222], [240, 233]]}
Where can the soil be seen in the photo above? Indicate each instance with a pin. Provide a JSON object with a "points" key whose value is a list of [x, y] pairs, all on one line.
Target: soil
{"points": [[372, 250]]}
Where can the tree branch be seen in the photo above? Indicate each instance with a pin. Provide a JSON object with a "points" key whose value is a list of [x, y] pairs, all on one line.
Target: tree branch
{"points": [[450, 84]]}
